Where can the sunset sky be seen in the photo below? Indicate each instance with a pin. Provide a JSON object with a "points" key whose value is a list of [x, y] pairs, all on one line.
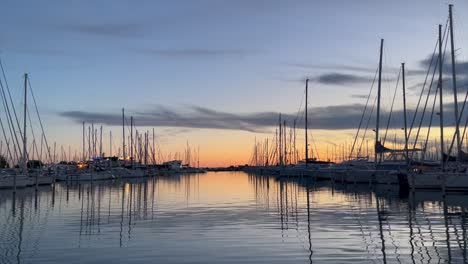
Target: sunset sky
{"points": [[216, 73]]}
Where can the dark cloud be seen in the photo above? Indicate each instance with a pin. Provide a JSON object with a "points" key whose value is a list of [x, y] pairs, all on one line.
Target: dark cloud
{"points": [[336, 78], [107, 29], [195, 117], [461, 67], [330, 117], [414, 71], [359, 96], [446, 85], [348, 75], [192, 117], [183, 53], [351, 74], [354, 68], [333, 67], [461, 70]]}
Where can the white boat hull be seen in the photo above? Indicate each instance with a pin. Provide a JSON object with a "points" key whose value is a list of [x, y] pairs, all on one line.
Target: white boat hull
{"points": [[42, 180], [8, 182], [91, 176]]}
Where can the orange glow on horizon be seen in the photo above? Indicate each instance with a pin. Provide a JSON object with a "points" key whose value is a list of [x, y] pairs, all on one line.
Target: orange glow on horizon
{"points": [[223, 148]]}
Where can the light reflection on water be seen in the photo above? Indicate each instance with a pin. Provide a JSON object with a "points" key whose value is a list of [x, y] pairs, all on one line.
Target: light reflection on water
{"points": [[230, 217]]}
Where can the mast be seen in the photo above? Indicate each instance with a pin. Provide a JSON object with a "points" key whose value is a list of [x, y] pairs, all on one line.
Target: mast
{"points": [[280, 149], [276, 143], [454, 84], [255, 152], [285, 158], [306, 139], [131, 140], [84, 151], [25, 153], [89, 144], [146, 148], [100, 143], [294, 141], [110, 143], [154, 150], [404, 113], [93, 142], [441, 116], [378, 104], [123, 133]]}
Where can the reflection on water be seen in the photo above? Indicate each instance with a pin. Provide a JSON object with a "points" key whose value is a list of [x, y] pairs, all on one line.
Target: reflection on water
{"points": [[230, 217]]}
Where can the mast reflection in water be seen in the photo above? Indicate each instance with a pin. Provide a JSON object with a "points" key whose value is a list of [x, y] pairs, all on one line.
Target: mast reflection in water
{"points": [[229, 217]]}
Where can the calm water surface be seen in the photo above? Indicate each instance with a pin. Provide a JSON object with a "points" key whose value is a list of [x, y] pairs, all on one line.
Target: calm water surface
{"points": [[230, 217]]}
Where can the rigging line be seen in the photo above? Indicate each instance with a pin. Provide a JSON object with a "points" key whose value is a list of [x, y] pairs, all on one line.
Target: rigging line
{"points": [[310, 132], [425, 106], [275, 146], [430, 88], [272, 150], [32, 132], [459, 119], [39, 118], [10, 122], [367, 125], [391, 107], [315, 145], [9, 95], [299, 112], [430, 125], [6, 140], [10, 157], [466, 122], [31, 149], [363, 114], [425, 81], [300, 106]]}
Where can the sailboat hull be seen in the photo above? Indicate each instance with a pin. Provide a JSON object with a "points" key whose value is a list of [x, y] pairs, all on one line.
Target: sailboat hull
{"points": [[360, 176], [439, 181]]}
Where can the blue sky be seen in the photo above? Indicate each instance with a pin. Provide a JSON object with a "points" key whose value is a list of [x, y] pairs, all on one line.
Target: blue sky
{"points": [[228, 56]]}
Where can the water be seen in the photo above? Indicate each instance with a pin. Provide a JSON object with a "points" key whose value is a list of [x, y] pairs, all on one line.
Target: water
{"points": [[230, 217]]}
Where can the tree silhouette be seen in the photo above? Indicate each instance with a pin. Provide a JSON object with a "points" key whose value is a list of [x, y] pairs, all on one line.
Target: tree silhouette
{"points": [[34, 164], [3, 163]]}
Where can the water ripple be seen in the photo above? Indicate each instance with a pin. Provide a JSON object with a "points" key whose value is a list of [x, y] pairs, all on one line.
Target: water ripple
{"points": [[229, 218]]}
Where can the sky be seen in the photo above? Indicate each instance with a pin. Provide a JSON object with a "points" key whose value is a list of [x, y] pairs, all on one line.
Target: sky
{"points": [[216, 73]]}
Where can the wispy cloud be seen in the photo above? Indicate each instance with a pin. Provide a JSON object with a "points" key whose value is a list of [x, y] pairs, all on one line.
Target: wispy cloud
{"points": [[107, 29], [461, 70], [350, 74], [336, 78], [359, 96], [198, 52], [353, 68], [461, 66], [329, 117]]}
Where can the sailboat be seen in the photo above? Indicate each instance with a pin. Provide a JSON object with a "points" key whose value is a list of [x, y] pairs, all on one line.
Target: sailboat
{"points": [[22, 177], [387, 170], [449, 177], [310, 166], [361, 170]]}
